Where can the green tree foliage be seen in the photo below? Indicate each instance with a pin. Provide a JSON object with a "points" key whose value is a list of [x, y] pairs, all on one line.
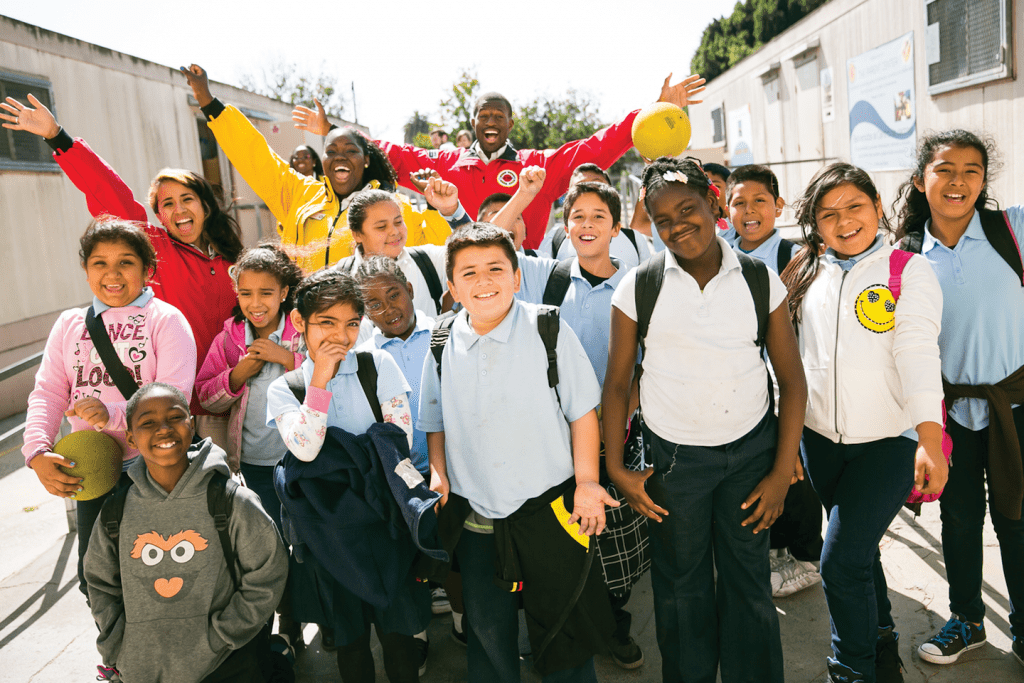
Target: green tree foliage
{"points": [[418, 127], [549, 123], [457, 106], [752, 24], [288, 82]]}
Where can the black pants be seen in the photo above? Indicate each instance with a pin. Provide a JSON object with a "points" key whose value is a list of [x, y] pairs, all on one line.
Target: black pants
{"points": [[241, 666]]}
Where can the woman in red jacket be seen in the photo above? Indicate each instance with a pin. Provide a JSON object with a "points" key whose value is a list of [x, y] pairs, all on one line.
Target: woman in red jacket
{"points": [[195, 248]]}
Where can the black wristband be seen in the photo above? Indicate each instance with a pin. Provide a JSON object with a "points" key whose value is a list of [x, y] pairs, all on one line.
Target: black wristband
{"points": [[61, 142], [213, 109]]}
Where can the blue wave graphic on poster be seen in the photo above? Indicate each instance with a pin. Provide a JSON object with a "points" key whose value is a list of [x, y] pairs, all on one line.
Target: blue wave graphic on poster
{"points": [[863, 112]]}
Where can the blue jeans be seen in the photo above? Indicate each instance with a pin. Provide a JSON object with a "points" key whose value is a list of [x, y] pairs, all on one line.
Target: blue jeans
{"points": [[701, 626], [86, 514], [862, 487], [493, 614], [962, 507]]}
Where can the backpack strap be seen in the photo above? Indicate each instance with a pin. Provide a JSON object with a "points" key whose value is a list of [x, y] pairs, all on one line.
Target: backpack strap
{"points": [[1004, 241], [122, 377], [558, 283], [220, 497], [347, 265], [755, 272], [439, 337], [649, 277], [111, 514], [631, 236], [429, 272], [785, 255], [297, 384], [530, 252], [556, 242], [547, 327], [367, 373], [898, 261]]}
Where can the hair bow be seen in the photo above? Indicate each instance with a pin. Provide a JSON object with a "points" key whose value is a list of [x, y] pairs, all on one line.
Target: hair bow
{"points": [[675, 176]]}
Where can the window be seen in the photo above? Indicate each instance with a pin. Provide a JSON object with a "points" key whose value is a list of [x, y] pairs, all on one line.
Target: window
{"points": [[967, 42], [718, 126], [20, 150]]}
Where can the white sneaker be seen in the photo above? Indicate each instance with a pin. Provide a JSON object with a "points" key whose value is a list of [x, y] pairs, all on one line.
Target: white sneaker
{"points": [[439, 603], [790, 575]]}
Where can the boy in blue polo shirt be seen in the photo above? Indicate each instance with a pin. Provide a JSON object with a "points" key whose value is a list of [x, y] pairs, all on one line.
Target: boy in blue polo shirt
{"points": [[517, 492]]}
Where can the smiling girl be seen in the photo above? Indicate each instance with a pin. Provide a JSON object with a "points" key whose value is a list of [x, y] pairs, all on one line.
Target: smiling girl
{"points": [[311, 210], [975, 253], [195, 248], [151, 338], [874, 420]]}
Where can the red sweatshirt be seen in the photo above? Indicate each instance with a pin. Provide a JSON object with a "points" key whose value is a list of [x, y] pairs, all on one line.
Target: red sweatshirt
{"points": [[186, 278], [477, 180]]}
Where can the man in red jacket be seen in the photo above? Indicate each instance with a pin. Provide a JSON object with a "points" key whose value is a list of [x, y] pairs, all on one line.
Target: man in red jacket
{"points": [[492, 164]]}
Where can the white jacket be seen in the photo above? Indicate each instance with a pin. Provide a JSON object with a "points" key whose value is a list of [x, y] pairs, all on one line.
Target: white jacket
{"points": [[872, 367]]}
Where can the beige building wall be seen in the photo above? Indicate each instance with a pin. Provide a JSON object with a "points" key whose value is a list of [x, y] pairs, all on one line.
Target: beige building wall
{"points": [[140, 117], [787, 123]]}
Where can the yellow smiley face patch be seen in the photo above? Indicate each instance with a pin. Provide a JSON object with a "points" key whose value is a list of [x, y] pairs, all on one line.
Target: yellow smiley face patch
{"points": [[876, 309]]}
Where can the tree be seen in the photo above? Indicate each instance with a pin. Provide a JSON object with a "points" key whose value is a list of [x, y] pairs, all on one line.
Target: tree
{"points": [[548, 123], [457, 107], [417, 131], [286, 81], [752, 24]]}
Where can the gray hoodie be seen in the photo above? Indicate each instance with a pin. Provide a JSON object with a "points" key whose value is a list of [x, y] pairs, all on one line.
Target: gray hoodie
{"points": [[168, 610]]}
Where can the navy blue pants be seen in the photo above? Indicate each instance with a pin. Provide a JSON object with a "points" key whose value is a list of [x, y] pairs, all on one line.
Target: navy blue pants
{"points": [[862, 487], [493, 614], [701, 625], [962, 506]]}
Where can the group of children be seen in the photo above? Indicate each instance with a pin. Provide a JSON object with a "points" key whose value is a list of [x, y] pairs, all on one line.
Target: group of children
{"points": [[767, 382]]}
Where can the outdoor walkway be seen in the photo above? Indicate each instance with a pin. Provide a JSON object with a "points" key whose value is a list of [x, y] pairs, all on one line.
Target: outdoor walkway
{"points": [[47, 634]]}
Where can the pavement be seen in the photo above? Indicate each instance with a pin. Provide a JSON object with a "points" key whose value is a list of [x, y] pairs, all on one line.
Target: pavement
{"points": [[47, 634]]}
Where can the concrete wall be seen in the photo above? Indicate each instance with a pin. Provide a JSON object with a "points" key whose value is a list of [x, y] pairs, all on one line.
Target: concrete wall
{"points": [[787, 126], [137, 115]]}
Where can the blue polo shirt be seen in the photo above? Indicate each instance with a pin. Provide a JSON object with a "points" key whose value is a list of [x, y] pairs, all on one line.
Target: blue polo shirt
{"points": [[535, 271], [982, 336], [349, 408], [409, 355], [506, 441], [767, 251]]}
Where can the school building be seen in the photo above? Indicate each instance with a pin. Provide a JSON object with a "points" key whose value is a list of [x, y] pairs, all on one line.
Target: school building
{"points": [[140, 117], [863, 81]]}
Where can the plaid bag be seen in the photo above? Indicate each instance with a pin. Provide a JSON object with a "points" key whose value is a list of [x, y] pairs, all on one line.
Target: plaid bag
{"points": [[623, 545]]}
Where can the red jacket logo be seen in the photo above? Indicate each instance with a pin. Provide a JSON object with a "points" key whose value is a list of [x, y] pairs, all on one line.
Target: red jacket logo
{"points": [[507, 178]]}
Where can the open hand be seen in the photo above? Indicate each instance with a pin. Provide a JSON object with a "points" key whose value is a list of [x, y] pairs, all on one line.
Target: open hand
{"points": [[38, 120], [681, 94], [196, 77], [46, 466], [90, 409], [311, 121], [442, 195], [632, 485], [588, 507]]}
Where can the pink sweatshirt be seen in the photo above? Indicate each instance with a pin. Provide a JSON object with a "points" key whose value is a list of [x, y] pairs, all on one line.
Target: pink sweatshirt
{"points": [[154, 342]]}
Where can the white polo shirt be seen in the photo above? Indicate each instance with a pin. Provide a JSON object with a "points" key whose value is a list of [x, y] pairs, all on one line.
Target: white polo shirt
{"points": [[704, 382]]}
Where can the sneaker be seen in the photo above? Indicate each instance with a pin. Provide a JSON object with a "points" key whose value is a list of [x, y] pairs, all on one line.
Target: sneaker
{"points": [[888, 664], [627, 655], [327, 641], [838, 673], [790, 575], [1018, 650], [291, 632], [460, 636], [424, 647], [107, 673], [439, 601], [956, 637]]}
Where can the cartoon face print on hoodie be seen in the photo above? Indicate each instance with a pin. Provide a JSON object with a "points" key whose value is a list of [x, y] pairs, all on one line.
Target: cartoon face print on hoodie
{"points": [[170, 564]]}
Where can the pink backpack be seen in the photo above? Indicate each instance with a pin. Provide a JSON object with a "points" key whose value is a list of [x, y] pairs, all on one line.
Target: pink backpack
{"points": [[898, 260]]}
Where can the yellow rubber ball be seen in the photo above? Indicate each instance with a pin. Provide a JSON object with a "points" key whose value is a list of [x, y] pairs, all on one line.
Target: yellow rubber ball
{"points": [[661, 130], [97, 457]]}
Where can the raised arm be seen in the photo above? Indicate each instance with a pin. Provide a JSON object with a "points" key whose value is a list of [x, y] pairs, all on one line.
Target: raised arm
{"points": [[105, 192]]}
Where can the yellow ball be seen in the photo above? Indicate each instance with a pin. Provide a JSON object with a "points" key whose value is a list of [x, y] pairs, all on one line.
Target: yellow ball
{"points": [[97, 457], [661, 130]]}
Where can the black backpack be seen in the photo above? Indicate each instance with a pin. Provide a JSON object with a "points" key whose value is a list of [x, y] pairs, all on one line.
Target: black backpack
{"points": [[366, 372], [993, 224], [785, 255], [220, 496], [547, 328], [559, 237], [423, 262]]}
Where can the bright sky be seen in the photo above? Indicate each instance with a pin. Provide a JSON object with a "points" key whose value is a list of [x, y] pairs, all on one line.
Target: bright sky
{"points": [[403, 55]]}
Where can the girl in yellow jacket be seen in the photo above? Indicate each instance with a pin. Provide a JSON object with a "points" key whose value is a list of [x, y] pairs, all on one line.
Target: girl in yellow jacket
{"points": [[311, 212]]}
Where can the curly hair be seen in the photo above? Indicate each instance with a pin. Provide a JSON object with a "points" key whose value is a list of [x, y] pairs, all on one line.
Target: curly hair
{"points": [[325, 288], [107, 229], [803, 268], [915, 212], [268, 257], [145, 390], [220, 228], [376, 267], [379, 168]]}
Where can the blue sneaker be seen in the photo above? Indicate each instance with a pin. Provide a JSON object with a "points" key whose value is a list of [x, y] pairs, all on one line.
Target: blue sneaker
{"points": [[956, 637]]}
